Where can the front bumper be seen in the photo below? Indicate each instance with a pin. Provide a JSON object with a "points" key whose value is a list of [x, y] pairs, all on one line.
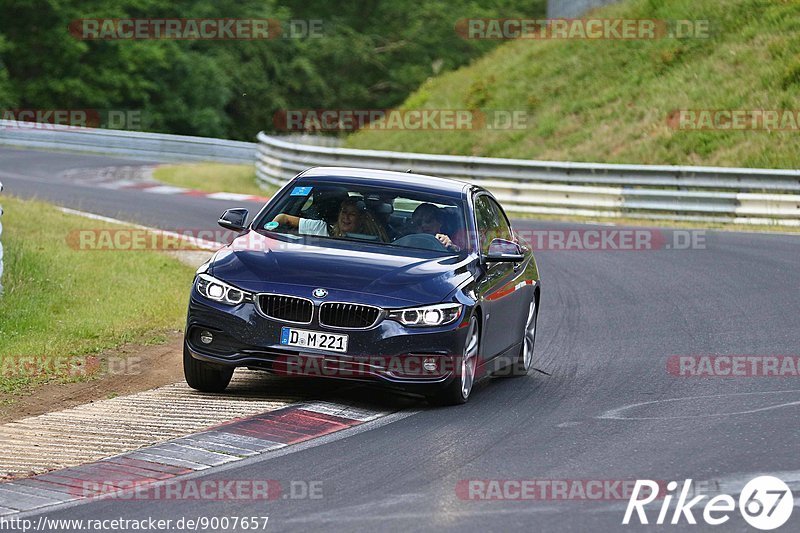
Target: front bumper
{"points": [[388, 352]]}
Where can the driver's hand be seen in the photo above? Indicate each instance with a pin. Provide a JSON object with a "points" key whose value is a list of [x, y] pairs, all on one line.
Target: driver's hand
{"points": [[446, 242]]}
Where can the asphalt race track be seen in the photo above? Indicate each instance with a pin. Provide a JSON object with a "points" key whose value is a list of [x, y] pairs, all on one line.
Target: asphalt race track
{"points": [[608, 324]]}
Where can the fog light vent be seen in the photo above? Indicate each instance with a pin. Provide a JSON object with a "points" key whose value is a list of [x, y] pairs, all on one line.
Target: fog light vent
{"points": [[206, 337]]}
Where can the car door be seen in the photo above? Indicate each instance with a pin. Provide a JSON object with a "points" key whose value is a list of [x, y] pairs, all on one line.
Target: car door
{"points": [[497, 290]]}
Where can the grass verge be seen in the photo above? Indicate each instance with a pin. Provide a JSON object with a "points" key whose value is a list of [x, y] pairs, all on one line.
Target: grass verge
{"points": [[62, 304], [610, 100], [213, 177]]}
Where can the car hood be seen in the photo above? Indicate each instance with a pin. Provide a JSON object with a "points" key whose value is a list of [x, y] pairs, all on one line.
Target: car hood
{"points": [[258, 263]]}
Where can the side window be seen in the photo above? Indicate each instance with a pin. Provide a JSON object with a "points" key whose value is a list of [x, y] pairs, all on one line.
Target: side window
{"points": [[492, 223], [503, 227], [487, 221]]}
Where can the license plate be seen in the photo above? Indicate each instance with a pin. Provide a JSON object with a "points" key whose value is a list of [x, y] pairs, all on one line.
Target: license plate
{"points": [[304, 338]]}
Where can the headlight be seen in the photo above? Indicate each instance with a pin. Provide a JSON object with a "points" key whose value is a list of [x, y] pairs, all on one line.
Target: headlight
{"points": [[219, 291], [429, 315]]}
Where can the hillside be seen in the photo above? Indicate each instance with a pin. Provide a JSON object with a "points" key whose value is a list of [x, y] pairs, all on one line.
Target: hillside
{"points": [[610, 100], [56, 55]]}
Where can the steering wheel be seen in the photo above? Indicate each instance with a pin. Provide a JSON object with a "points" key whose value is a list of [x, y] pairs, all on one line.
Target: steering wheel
{"points": [[421, 240]]}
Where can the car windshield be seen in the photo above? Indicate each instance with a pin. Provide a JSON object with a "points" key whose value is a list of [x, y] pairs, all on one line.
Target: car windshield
{"points": [[379, 215]]}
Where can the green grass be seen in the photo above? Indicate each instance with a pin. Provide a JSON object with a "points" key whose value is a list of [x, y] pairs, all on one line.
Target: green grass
{"points": [[60, 302], [213, 177], [608, 100]]}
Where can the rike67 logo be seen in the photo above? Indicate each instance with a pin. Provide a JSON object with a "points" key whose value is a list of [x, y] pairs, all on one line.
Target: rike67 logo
{"points": [[765, 503]]}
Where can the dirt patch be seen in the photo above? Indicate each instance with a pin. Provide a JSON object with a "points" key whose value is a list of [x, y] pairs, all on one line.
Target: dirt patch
{"points": [[152, 366]]}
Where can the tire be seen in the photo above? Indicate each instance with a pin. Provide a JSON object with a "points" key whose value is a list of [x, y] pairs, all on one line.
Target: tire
{"points": [[205, 377], [457, 392], [524, 361]]}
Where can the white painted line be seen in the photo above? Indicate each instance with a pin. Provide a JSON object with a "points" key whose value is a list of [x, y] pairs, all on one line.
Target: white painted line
{"points": [[166, 460], [165, 189], [212, 446], [619, 412], [52, 495], [102, 218], [229, 196], [190, 453], [194, 241], [24, 501], [343, 411], [240, 441], [120, 184]]}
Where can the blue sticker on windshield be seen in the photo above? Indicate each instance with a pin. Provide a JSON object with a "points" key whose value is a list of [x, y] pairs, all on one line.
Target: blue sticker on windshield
{"points": [[271, 225], [301, 191]]}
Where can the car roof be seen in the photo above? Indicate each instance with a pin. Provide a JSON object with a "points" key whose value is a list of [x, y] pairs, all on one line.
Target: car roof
{"points": [[402, 180]]}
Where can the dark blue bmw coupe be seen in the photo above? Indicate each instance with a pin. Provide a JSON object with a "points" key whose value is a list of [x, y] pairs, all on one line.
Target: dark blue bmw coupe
{"points": [[409, 280]]}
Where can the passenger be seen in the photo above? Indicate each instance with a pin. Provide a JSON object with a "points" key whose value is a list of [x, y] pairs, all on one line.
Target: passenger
{"points": [[428, 218], [325, 204], [381, 208], [353, 218]]}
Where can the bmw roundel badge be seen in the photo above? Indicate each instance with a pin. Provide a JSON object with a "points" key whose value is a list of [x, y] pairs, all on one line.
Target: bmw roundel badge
{"points": [[320, 293]]}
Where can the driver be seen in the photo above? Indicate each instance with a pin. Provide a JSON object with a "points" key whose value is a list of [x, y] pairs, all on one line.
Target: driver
{"points": [[353, 218], [428, 219]]}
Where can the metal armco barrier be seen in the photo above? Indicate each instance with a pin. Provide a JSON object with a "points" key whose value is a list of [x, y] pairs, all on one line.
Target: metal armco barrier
{"points": [[711, 194], [158, 147], [133, 144], [704, 194]]}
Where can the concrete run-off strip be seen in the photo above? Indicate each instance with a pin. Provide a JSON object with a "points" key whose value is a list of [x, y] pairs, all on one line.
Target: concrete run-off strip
{"points": [[147, 467], [108, 427]]}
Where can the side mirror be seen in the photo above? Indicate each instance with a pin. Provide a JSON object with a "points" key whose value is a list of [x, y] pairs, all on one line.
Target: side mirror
{"points": [[503, 251], [234, 219]]}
